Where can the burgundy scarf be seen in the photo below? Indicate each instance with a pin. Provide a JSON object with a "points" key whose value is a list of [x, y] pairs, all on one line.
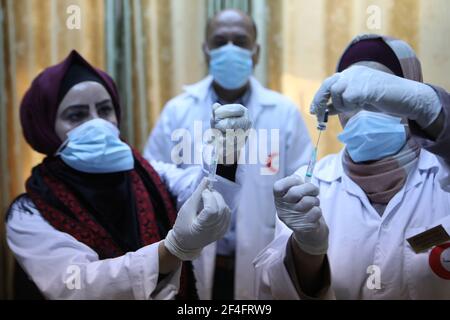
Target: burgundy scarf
{"points": [[60, 204]]}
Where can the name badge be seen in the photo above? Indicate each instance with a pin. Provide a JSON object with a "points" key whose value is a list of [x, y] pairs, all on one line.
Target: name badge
{"points": [[428, 239]]}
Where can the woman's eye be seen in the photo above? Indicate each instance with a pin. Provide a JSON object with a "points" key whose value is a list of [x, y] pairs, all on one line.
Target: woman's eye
{"points": [[76, 116], [104, 111]]}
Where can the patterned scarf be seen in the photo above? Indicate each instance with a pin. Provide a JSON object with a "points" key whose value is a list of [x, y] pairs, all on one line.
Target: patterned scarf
{"points": [[382, 179]]}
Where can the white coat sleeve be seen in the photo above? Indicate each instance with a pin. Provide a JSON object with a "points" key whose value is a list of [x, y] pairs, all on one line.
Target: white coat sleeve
{"points": [[159, 144], [181, 182], [273, 280], [64, 268], [439, 147], [298, 144]]}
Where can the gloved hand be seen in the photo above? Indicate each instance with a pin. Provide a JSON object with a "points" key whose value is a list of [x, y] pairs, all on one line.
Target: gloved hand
{"points": [[360, 87], [233, 122], [203, 219], [298, 207], [230, 117]]}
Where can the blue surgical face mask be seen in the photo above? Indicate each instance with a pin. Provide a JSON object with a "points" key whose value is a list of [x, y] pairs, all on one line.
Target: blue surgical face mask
{"points": [[371, 136], [231, 66], [95, 147]]}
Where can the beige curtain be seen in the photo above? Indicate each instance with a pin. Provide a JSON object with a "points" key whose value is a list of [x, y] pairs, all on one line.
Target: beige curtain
{"points": [[153, 47]]}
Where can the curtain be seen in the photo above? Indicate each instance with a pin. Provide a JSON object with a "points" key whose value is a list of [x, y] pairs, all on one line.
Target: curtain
{"points": [[153, 47]]}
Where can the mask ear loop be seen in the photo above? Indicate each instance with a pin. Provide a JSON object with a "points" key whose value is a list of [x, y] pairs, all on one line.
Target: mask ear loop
{"points": [[61, 147]]}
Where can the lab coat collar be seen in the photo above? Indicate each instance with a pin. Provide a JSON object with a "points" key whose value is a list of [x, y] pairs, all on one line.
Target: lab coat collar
{"points": [[200, 89], [259, 95]]}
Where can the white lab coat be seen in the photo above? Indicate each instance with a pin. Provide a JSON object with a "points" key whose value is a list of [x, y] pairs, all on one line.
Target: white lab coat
{"points": [[254, 208], [362, 244], [54, 259]]}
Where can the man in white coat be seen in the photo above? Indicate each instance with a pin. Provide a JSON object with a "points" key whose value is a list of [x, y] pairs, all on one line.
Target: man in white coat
{"points": [[279, 142], [376, 216]]}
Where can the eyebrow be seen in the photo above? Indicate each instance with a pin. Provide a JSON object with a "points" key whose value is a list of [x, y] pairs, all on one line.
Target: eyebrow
{"points": [[83, 106], [234, 35], [103, 102], [76, 106]]}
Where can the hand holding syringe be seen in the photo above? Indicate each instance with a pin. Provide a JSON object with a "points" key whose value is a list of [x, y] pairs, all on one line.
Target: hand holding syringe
{"points": [[224, 148]]}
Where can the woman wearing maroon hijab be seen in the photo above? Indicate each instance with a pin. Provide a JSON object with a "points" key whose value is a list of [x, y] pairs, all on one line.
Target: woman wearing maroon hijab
{"points": [[97, 221]]}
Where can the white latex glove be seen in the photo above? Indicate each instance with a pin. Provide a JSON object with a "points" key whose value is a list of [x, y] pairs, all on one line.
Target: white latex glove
{"points": [[298, 207], [203, 219], [360, 87], [230, 117], [233, 121]]}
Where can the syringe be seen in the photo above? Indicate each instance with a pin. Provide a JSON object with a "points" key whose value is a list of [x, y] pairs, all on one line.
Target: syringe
{"points": [[213, 152], [321, 126], [311, 165], [213, 164]]}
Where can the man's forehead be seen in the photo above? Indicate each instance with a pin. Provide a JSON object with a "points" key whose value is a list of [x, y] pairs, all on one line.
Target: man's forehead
{"points": [[231, 20], [224, 29]]}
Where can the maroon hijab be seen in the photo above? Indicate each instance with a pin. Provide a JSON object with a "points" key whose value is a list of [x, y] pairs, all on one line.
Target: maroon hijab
{"points": [[40, 103]]}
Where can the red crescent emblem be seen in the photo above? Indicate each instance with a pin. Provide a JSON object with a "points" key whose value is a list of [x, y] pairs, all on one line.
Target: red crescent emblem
{"points": [[436, 263], [269, 162]]}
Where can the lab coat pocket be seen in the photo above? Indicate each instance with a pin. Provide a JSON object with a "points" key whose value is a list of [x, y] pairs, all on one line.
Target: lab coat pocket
{"points": [[427, 273]]}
